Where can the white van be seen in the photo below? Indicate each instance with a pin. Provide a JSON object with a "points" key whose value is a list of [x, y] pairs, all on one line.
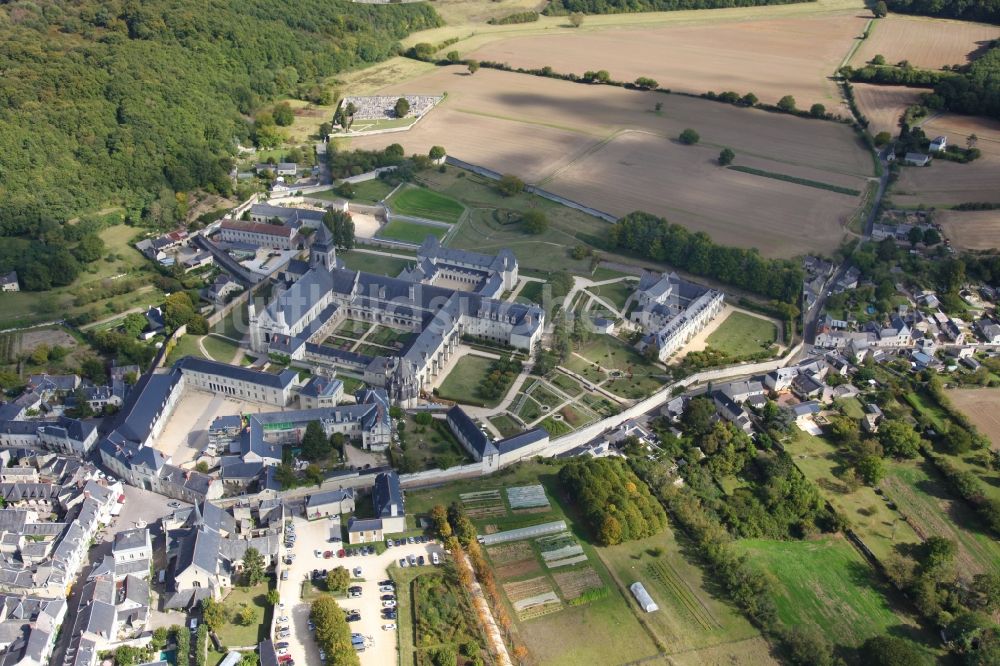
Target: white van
{"points": [[435, 559]]}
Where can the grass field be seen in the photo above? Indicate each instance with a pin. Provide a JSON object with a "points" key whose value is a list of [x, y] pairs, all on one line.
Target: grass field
{"points": [[238, 635], [980, 405], [639, 377], [422, 202], [462, 383], [220, 349], [187, 345], [569, 138], [369, 191], [933, 510], [373, 263], [827, 584], [878, 526], [743, 334], [927, 43], [410, 232], [505, 424]]}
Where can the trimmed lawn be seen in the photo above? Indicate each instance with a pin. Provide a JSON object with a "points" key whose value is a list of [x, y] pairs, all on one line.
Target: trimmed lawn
{"points": [[567, 384], [531, 293], [422, 202], [370, 191], [434, 445], [373, 263], [507, 426], [220, 349], [826, 583], [639, 378], [234, 635], [742, 335], [616, 293], [462, 383], [187, 345], [410, 232]]}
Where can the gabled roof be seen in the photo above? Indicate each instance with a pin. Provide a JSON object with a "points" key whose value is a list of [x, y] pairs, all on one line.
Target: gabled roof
{"points": [[388, 496], [476, 438], [258, 228], [238, 373]]}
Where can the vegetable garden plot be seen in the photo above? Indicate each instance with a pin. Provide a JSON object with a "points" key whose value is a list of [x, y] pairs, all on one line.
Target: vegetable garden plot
{"points": [[485, 504], [527, 497], [532, 598], [677, 588], [573, 584]]}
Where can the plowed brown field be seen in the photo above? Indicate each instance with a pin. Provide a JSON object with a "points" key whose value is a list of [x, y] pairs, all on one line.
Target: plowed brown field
{"points": [[926, 42]]}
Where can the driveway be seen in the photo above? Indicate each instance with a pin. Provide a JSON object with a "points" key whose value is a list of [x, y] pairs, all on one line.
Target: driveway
{"points": [[314, 535]]}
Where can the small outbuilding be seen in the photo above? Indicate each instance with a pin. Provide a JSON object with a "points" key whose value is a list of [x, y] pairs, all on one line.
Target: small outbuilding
{"points": [[917, 159], [642, 596]]}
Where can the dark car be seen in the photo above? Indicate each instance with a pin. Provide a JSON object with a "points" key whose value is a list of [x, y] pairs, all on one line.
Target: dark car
{"points": [[389, 615], [386, 582], [354, 588], [420, 560], [278, 646], [356, 617], [388, 597]]}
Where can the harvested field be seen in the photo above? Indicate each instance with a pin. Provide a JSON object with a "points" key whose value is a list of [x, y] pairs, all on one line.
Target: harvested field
{"points": [[980, 404], [770, 58], [972, 230], [518, 569], [883, 105], [548, 132], [573, 584], [778, 218], [527, 589], [927, 43], [949, 183]]}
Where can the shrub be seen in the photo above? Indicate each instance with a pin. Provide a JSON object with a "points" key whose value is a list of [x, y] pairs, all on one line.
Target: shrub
{"points": [[786, 103], [510, 185], [726, 157], [689, 137]]}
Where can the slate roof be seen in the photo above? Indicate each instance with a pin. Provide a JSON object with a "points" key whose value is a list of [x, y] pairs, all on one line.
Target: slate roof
{"points": [[477, 439], [521, 440], [321, 387], [330, 496], [387, 495], [258, 228], [128, 539], [364, 524]]}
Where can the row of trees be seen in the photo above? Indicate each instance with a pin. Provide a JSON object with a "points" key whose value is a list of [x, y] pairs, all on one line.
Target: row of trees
{"points": [[341, 225], [563, 7], [987, 11], [499, 377], [656, 238], [333, 635], [615, 503]]}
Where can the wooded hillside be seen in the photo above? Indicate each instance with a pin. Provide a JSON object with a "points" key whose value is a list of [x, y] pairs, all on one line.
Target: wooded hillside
{"points": [[123, 102]]}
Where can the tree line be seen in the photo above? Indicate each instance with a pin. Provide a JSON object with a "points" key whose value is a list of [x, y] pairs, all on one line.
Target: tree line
{"points": [[110, 102], [987, 11], [615, 503], [563, 7], [655, 238]]}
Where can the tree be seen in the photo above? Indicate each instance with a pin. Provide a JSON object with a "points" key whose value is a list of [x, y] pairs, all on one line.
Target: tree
{"points": [[915, 236], [285, 475], [872, 469], [341, 226], [882, 138], [890, 651], [535, 222], [402, 107], [345, 189], [786, 103], [127, 655], [246, 615], [878, 60], [931, 237], [576, 19], [134, 324], [646, 83], [696, 419], [338, 579], [273, 597], [436, 152], [880, 10], [283, 115], [817, 110], [473, 66], [202, 467], [90, 248], [453, 56], [213, 613], [689, 137], [510, 185], [750, 99], [808, 646], [726, 157], [315, 445], [332, 632], [971, 141], [253, 566], [899, 439]]}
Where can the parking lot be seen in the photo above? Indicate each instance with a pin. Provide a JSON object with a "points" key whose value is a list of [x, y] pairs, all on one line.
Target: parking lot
{"points": [[315, 535]]}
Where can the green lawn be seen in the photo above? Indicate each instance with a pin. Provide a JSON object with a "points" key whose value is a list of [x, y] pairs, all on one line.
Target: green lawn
{"points": [[567, 384], [234, 635], [432, 446], [616, 293], [531, 293], [187, 345], [826, 583], [369, 191], [482, 231], [220, 349], [411, 232], [742, 335], [507, 426], [462, 383], [639, 377], [422, 202]]}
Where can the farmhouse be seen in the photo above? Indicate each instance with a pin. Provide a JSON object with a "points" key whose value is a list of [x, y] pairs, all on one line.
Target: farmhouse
{"points": [[938, 144], [989, 330], [264, 235], [387, 496], [672, 311], [9, 282], [313, 299]]}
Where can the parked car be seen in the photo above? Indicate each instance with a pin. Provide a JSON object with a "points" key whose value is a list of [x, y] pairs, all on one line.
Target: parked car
{"points": [[318, 553], [327, 555], [280, 645], [284, 658], [420, 560], [355, 617], [386, 588], [312, 626], [389, 627], [412, 559], [341, 553], [387, 581], [282, 651], [174, 505], [388, 604], [354, 588], [354, 595], [409, 540], [357, 572], [283, 619], [389, 614], [284, 575], [435, 559], [388, 543], [388, 597], [402, 561]]}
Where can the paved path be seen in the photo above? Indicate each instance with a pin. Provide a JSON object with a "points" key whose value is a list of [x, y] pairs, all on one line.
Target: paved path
{"points": [[498, 647]]}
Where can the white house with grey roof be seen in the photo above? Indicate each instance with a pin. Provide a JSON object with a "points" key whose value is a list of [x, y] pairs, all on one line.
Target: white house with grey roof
{"points": [[239, 382]]}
